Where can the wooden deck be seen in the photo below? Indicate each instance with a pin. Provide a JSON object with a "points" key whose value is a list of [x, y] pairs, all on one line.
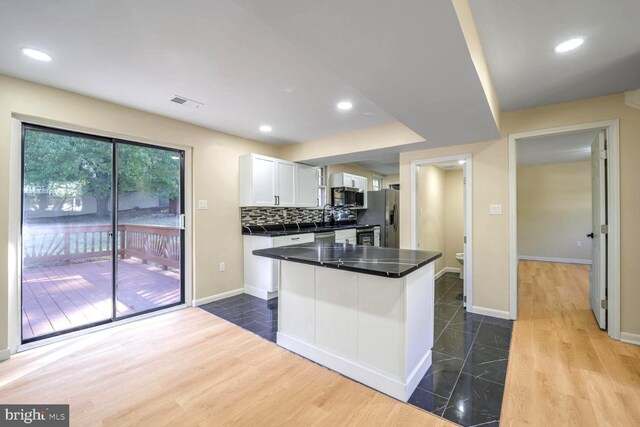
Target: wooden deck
{"points": [[64, 297]]}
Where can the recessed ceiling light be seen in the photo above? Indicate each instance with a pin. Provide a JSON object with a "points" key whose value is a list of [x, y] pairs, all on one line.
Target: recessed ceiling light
{"points": [[569, 45], [461, 162], [344, 105], [36, 54], [265, 128]]}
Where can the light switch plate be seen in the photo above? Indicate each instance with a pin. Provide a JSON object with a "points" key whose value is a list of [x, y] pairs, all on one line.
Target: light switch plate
{"points": [[202, 204], [495, 209]]}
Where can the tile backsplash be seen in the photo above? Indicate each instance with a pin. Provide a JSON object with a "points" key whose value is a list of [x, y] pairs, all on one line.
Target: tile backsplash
{"points": [[267, 216]]}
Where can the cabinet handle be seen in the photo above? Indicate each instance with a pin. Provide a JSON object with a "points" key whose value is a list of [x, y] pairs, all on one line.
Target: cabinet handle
{"points": [[278, 200], [318, 202], [275, 200], [295, 238]]}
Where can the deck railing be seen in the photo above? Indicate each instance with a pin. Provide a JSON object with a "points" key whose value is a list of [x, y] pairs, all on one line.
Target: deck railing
{"points": [[68, 243]]}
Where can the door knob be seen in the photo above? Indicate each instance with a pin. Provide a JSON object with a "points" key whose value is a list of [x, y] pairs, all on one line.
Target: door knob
{"points": [[590, 235]]}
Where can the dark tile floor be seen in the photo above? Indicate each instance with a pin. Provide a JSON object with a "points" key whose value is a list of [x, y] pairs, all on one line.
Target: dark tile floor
{"points": [[465, 382], [251, 313]]}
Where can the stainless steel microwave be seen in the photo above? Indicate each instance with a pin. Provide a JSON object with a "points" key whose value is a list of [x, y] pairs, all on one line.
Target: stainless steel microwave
{"points": [[347, 197]]}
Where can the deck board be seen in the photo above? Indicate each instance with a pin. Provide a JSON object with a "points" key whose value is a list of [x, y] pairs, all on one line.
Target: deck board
{"points": [[63, 297]]}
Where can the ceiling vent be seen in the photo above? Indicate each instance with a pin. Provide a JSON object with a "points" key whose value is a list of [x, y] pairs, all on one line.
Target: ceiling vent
{"points": [[186, 101]]}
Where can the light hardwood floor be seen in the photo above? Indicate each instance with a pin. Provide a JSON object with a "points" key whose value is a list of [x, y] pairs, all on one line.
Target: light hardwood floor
{"points": [[563, 370], [191, 368]]}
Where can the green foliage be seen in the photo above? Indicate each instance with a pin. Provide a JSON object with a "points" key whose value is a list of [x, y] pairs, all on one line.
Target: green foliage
{"points": [[72, 166]]}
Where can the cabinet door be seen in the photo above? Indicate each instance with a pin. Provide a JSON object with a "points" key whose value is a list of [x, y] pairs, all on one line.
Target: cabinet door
{"points": [[307, 186], [361, 182], [350, 180], [286, 189], [263, 181]]}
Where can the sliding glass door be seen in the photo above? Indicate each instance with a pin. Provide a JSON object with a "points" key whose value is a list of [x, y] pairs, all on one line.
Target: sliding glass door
{"points": [[101, 235], [149, 233]]}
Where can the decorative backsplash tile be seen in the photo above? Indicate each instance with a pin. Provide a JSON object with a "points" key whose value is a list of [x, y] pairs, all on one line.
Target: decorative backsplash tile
{"points": [[268, 216]]}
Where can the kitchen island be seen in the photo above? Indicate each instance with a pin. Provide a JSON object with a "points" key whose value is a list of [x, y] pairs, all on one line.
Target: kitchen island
{"points": [[363, 311]]}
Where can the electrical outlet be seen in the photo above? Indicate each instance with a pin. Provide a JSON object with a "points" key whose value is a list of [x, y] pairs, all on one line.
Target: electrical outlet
{"points": [[202, 204], [223, 267], [578, 243], [495, 209]]}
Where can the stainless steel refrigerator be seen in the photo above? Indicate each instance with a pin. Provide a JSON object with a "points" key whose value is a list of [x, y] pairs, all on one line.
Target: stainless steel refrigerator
{"points": [[383, 208]]}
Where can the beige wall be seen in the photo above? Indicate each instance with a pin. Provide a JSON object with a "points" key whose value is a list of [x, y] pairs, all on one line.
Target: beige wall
{"points": [[440, 213], [431, 211], [454, 217], [391, 179], [215, 178], [354, 170], [490, 185], [554, 210]]}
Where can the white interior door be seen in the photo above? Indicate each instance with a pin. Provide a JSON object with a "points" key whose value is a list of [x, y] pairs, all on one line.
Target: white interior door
{"points": [[598, 275]]}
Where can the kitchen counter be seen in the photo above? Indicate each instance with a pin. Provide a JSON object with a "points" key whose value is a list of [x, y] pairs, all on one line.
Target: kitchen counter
{"points": [[287, 229], [386, 262], [363, 311]]}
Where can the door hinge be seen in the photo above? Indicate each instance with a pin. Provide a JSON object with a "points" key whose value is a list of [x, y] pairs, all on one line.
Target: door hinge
{"points": [[465, 239], [604, 229], [604, 304], [603, 154], [464, 180], [183, 220], [464, 298]]}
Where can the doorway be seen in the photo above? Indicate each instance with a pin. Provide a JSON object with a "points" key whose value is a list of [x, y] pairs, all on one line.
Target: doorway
{"points": [[102, 230], [463, 263], [575, 234]]}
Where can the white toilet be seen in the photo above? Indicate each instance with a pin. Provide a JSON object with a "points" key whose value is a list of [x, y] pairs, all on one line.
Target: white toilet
{"points": [[460, 258]]}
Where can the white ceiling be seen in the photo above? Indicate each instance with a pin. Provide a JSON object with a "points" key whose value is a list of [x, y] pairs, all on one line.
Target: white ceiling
{"points": [[281, 62], [287, 62], [408, 57], [518, 37], [560, 148], [141, 53]]}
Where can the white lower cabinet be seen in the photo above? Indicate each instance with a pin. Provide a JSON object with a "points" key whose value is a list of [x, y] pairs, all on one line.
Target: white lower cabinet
{"points": [[347, 236], [261, 275]]}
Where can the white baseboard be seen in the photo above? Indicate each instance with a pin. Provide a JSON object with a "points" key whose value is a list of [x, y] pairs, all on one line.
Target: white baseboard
{"points": [[630, 338], [559, 260], [376, 380], [447, 270], [5, 353], [260, 293], [218, 297], [490, 312]]}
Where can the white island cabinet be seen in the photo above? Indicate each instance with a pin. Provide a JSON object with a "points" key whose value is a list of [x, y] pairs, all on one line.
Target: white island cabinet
{"points": [[339, 307]]}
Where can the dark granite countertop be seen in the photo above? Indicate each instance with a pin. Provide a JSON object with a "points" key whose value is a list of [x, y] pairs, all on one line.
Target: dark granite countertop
{"points": [[386, 262], [287, 229]]}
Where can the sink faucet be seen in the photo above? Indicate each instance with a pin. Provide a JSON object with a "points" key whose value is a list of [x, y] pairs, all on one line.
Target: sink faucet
{"points": [[324, 223]]}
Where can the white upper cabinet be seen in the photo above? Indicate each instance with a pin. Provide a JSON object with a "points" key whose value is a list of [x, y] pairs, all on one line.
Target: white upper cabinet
{"points": [[307, 186], [361, 182], [286, 183], [349, 180], [267, 181], [261, 180]]}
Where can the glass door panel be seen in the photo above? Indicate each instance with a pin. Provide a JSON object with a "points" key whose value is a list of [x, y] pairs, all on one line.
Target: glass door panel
{"points": [[67, 232], [149, 207]]}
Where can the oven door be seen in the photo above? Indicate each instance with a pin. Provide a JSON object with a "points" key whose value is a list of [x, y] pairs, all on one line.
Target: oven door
{"points": [[365, 238]]}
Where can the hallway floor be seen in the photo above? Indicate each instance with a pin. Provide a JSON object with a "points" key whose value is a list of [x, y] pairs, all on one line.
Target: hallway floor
{"points": [[563, 370]]}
